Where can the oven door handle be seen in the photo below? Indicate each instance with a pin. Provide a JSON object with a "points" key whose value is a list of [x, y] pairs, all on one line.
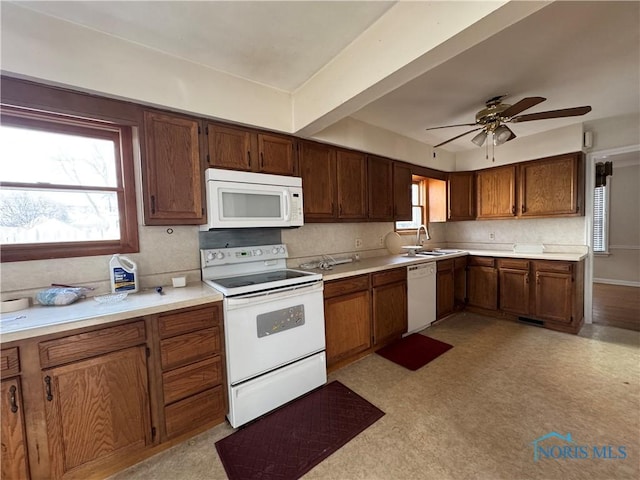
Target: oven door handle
{"points": [[272, 295]]}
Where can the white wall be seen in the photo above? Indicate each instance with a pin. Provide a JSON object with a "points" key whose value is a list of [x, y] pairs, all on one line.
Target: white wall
{"points": [[622, 265], [614, 132]]}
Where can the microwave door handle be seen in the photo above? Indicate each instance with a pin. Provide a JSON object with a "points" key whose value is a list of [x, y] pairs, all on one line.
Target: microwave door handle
{"points": [[287, 206]]}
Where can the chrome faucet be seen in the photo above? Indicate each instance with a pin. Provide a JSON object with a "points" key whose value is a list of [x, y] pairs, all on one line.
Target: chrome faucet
{"points": [[426, 234]]}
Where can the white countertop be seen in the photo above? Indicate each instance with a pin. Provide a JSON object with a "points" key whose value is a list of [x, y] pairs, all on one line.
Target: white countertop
{"points": [[42, 320], [375, 264]]}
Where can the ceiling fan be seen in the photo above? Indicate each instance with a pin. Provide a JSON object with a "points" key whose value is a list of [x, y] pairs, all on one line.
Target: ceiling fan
{"points": [[493, 117]]}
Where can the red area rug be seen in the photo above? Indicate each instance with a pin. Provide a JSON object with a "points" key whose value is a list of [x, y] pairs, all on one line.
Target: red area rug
{"points": [[414, 351], [290, 441]]}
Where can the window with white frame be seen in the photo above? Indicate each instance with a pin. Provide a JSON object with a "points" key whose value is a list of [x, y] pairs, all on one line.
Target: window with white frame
{"points": [[600, 219], [418, 207]]}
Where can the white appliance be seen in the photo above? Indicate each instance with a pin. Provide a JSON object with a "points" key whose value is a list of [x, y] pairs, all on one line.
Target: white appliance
{"points": [[273, 325], [245, 199], [421, 296]]}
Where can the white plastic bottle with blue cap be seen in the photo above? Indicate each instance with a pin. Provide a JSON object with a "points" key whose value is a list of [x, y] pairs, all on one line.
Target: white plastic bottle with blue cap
{"points": [[124, 274]]}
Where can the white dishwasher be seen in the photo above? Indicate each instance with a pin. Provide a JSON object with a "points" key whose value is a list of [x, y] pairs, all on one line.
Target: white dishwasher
{"points": [[421, 296]]}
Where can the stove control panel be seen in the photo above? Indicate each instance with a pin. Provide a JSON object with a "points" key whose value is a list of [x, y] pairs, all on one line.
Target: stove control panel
{"points": [[224, 256]]}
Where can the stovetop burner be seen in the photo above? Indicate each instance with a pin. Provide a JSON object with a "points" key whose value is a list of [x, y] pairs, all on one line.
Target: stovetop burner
{"points": [[258, 278]]}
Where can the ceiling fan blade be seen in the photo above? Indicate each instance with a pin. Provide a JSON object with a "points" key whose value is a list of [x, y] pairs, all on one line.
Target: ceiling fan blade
{"points": [[447, 126], [521, 106], [457, 137], [564, 112]]}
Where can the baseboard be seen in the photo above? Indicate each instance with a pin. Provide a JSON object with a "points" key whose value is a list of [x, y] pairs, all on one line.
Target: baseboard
{"points": [[623, 283]]}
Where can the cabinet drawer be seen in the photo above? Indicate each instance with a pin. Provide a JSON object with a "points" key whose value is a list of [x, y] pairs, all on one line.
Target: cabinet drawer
{"points": [[389, 276], [514, 263], [91, 344], [554, 266], [481, 261], [9, 362], [445, 265], [187, 321], [348, 285], [190, 347], [188, 380], [194, 411]]}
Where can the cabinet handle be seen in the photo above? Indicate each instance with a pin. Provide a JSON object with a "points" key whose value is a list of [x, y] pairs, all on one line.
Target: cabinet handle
{"points": [[340, 209], [249, 159], [526, 278], [261, 160], [47, 381], [513, 210], [524, 209], [538, 278], [153, 204], [12, 399]]}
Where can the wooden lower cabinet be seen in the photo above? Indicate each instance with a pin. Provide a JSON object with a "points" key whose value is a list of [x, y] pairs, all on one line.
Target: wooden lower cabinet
{"points": [[389, 305], [514, 286], [445, 288], [87, 403], [347, 313], [14, 459], [482, 283], [97, 410], [559, 293]]}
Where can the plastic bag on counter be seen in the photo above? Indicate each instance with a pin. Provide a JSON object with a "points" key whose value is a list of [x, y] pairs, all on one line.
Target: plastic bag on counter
{"points": [[59, 296]]}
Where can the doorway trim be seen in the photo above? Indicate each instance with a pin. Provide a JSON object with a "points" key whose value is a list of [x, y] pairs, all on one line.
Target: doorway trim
{"points": [[590, 183]]}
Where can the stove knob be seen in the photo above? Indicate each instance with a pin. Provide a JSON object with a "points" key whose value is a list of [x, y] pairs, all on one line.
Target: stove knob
{"points": [[210, 256], [275, 250], [219, 255], [257, 252], [281, 250]]}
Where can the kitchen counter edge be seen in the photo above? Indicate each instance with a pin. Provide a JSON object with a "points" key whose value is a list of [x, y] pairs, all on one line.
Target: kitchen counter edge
{"points": [[41, 320], [387, 262]]}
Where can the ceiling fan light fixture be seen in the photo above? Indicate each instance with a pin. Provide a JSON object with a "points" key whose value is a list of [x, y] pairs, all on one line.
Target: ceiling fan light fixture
{"points": [[501, 135], [480, 138]]}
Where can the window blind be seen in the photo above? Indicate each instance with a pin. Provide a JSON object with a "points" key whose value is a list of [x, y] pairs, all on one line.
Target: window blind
{"points": [[600, 219]]}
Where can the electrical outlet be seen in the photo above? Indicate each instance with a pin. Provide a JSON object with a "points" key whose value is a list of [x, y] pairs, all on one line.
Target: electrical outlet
{"points": [[492, 236], [381, 241], [358, 243]]}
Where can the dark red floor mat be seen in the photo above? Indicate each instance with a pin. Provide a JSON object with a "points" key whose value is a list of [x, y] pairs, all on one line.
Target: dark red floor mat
{"points": [[414, 351], [290, 441]]}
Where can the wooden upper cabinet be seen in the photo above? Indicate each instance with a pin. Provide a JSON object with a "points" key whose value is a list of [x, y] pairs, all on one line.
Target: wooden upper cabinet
{"points": [[551, 186], [351, 179], [461, 196], [229, 147], [276, 154], [239, 148], [402, 192], [380, 188], [173, 187], [318, 172], [496, 192]]}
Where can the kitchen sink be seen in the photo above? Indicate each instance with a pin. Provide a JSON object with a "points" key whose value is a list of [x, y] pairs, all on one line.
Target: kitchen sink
{"points": [[428, 253]]}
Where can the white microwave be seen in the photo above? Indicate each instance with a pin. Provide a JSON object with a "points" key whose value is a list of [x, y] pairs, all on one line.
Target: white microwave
{"points": [[245, 199]]}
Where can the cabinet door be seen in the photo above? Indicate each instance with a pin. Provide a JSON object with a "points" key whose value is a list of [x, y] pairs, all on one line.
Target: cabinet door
{"points": [[14, 447], [402, 192], [380, 185], [445, 289], [318, 172], [229, 147], [97, 410], [351, 173], [496, 192], [389, 312], [172, 179], [549, 187], [347, 325], [482, 287], [514, 291], [461, 196], [276, 154], [553, 296]]}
